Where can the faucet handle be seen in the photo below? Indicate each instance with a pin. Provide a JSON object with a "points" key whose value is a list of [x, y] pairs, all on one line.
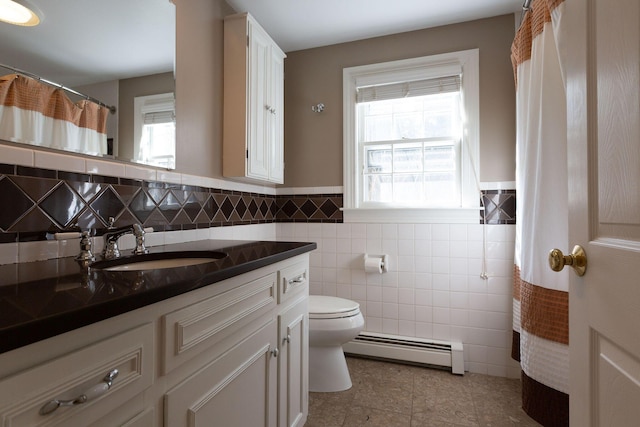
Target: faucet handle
{"points": [[138, 232], [85, 257]]}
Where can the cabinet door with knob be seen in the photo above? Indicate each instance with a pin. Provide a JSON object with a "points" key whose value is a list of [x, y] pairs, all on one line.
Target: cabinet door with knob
{"points": [[293, 369], [253, 136], [237, 389]]}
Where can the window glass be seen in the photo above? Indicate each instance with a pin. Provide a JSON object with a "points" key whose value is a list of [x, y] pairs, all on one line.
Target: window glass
{"points": [[411, 149]]}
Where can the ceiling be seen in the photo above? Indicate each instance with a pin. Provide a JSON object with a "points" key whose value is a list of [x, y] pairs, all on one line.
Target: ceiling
{"points": [[87, 41], [303, 24]]}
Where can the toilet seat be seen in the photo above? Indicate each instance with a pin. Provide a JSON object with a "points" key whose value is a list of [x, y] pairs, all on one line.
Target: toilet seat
{"points": [[324, 307]]}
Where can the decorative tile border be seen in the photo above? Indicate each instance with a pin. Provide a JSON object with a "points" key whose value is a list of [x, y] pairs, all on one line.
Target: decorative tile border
{"points": [[309, 208], [499, 207], [39, 202], [36, 203]]}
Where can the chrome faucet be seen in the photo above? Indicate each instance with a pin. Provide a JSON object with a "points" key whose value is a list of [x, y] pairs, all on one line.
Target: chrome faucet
{"points": [[111, 237]]}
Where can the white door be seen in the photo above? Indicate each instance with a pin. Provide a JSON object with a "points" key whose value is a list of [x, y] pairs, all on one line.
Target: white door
{"points": [[603, 39]]}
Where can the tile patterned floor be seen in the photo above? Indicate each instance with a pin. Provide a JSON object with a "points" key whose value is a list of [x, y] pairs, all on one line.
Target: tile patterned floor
{"points": [[394, 395]]}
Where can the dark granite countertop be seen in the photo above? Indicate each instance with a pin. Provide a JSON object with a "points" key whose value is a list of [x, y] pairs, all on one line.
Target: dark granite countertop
{"points": [[39, 300]]}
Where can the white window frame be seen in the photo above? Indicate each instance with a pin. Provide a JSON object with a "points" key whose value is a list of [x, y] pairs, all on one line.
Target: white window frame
{"points": [[432, 66], [149, 104]]}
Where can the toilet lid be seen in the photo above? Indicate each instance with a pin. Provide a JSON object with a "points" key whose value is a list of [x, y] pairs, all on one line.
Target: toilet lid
{"points": [[323, 307]]}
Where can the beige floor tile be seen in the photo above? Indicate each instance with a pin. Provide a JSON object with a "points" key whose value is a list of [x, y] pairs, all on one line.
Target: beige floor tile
{"points": [[370, 417], [392, 394], [387, 395]]}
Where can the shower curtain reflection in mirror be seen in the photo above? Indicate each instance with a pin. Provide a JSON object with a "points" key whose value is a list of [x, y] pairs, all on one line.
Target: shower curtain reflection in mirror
{"points": [[35, 113]]}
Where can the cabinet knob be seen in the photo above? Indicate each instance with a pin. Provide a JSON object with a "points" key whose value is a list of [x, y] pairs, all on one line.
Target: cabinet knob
{"points": [[275, 352], [90, 394], [286, 339]]}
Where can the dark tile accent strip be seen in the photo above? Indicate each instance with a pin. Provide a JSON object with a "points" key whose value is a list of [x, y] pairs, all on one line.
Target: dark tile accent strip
{"points": [[40, 202], [310, 208], [87, 201], [499, 207]]}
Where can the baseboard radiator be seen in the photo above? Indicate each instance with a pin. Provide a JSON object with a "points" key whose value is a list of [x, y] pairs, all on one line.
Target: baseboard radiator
{"points": [[408, 349]]}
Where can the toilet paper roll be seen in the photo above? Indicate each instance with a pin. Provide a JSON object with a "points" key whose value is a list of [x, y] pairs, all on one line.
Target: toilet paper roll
{"points": [[373, 265]]}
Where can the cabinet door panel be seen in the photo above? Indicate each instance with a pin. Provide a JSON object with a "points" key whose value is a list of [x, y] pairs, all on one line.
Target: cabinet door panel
{"points": [[276, 131], [196, 328], [237, 389], [293, 366], [260, 115]]}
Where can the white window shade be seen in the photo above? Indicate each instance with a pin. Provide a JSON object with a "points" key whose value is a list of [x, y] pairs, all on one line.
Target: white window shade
{"points": [[158, 117], [408, 89]]}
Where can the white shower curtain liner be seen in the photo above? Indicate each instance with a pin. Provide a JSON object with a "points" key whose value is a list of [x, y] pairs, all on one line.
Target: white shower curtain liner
{"points": [[541, 295]]}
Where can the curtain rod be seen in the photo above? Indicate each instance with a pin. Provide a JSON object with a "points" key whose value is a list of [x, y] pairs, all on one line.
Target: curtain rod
{"points": [[111, 108], [526, 7]]}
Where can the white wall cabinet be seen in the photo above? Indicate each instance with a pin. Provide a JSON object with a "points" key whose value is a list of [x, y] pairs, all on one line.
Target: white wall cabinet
{"points": [[253, 123], [231, 354]]}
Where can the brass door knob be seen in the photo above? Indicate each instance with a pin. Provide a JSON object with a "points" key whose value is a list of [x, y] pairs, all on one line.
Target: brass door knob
{"points": [[577, 260]]}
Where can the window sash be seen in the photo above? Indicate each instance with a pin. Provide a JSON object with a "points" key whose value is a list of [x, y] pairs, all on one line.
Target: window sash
{"points": [[411, 186]]}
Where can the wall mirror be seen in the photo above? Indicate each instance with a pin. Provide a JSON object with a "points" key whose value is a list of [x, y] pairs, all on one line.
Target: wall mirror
{"points": [[120, 52]]}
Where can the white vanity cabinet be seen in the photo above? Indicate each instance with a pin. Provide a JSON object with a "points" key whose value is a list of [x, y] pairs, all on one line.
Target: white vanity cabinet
{"points": [[234, 353], [253, 122]]}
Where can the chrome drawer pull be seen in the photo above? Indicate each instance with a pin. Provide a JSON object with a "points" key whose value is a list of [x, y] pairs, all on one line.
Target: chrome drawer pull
{"points": [[292, 282], [92, 393], [297, 280]]}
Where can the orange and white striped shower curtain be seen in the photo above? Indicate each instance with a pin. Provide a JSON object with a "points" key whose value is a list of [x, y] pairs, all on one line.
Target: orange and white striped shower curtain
{"points": [[540, 296], [38, 114]]}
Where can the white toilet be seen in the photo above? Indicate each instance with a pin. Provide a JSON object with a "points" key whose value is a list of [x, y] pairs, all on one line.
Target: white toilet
{"points": [[332, 322]]}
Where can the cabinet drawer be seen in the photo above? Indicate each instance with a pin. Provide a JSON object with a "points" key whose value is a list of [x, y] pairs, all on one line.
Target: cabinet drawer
{"points": [[292, 281], [66, 378], [195, 328]]}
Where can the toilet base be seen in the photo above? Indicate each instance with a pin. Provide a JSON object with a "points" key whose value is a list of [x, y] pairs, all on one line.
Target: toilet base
{"points": [[328, 371]]}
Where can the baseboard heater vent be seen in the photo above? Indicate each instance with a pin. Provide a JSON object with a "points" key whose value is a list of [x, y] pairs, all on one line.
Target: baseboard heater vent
{"points": [[409, 349]]}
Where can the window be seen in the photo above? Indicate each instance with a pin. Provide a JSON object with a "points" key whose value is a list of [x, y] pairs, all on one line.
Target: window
{"points": [[411, 138], [155, 130]]}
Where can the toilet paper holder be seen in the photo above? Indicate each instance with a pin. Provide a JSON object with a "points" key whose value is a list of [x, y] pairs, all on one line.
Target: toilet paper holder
{"points": [[383, 259]]}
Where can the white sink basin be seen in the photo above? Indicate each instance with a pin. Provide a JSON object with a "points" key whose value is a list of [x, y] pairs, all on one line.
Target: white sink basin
{"points": [[158, 264], [158, 261]]}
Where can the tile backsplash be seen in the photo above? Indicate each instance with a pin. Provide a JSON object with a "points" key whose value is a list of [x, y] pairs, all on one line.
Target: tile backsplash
{"points": [[40, 202]]}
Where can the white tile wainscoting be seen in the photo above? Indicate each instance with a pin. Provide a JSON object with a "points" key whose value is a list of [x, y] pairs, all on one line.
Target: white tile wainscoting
{"points": [[434, 287]]}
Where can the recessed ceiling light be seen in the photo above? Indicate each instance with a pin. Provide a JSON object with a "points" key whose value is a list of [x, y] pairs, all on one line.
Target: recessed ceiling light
{"points": [[18, 12]]}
